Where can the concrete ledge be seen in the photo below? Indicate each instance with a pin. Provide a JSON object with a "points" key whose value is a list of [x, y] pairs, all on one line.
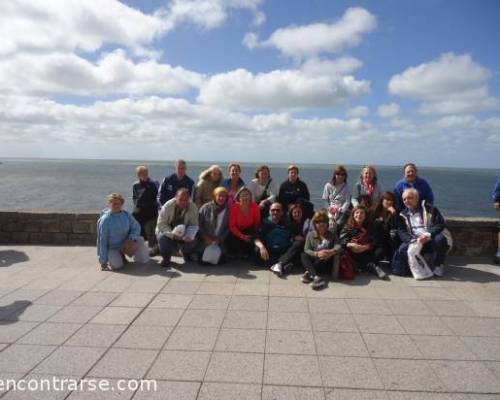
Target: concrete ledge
{"points": [[471, 236]]}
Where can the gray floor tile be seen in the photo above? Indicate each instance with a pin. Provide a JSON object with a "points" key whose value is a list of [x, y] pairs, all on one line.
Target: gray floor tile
{"points": [[249, 303], [95, 299], [349, 372], [487, 308], [229, 391], [235, 367], [391, 346], [287, 290], [123, 363], [74, 361], [288, 304], [58, 297], [171, 391], [395, 395], [50, 333], [76, 314], [408, 307], [171, 300], [48, 392], [131, 299], [450, 308], [241, 340], [115, 394], [408, 375], [291, 370], [180, 365], [245, 319], [10, 332], [442, 348], [203, 318], [33, 313], [333, 322], [159, 316], [174, 286], [434, 293], [210, 302], [340, 344], [423, 325], [464, 326], [96, 335], [116, 315], [186, 338], [22, 358], [216, 288], [368, 306], [493, 366], [290, 342], [251, 289], [466, 376], [144, 337], [333, 306], [289, 321], [270, 392], [355, 394], [378, 324], [485, 348]]}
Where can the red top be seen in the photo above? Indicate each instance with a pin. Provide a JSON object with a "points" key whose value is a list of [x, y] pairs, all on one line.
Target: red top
{"points": [[239, 222]]}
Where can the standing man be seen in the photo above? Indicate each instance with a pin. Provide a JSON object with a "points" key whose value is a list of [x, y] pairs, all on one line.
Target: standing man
{"points": [[293, 190], [171, 184], [411, 180], [496, 204]]}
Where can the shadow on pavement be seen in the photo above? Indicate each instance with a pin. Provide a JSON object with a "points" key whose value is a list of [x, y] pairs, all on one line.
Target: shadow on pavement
{"points": [[9, 257], [10, 313]]}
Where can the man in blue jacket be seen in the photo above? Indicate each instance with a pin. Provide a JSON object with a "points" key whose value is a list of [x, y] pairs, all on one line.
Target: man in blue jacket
{"points": [[412, 180], [496, 204], [171, 184]]}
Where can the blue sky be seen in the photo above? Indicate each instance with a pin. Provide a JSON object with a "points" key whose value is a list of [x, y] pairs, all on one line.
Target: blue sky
{"points": [[382, 82]]}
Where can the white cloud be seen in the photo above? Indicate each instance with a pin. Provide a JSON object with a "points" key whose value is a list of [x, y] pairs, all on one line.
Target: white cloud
{"points": [[114, 73], [359, 111], [388, 110], [316, 84], [314, 39], [207, 14], [452, 84]]}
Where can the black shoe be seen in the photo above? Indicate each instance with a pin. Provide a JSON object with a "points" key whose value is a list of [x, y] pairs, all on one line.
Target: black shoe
{"points": [[165, 263], [306, 278], [318, 283], [377, 271], [287, 268]]}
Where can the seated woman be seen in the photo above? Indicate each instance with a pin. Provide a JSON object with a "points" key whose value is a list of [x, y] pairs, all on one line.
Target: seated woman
{"points": [[320, 251], [244, 222], [118, 233], [367, 185], [207, 182], [233, 183], [264, 189], [337, 196], [356, 238], [385, 225], [213, 220]]}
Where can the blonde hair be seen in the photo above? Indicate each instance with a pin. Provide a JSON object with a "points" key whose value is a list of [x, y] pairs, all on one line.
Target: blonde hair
{"points": [[140, 169], [115, 196], [206, 173]]}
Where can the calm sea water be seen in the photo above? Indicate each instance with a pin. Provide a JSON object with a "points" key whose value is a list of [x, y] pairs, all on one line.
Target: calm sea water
{"points": [[82, 185]]}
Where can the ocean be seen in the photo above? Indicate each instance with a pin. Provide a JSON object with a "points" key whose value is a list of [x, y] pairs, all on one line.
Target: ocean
{"points": [[82, 185]]}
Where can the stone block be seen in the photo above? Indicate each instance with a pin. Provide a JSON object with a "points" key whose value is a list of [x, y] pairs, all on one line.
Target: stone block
{"points": [[5, 237], [81, 239], [82, 227], [60, 238], [32, 227], [50, 226], [19, 237], [41, 238], [66, 227], [13, 227]]}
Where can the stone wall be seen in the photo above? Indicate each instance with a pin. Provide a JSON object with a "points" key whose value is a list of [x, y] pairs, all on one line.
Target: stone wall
{"points": [[471, 236]]}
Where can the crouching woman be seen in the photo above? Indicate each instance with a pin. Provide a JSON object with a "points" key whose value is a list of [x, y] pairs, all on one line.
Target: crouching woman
{"points": [[118, 234], [321, 252]]}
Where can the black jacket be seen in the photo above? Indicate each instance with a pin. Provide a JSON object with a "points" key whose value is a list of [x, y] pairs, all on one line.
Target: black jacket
{"points": [[144, 197], [291, 193], [433, 220]]}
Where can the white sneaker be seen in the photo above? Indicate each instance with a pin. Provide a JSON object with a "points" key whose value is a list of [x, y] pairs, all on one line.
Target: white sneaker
{"points": [[439, 270], [277, 268]]}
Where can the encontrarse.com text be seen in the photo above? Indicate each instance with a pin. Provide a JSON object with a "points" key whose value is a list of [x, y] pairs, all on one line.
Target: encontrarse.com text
{"points": [[56, 384]]}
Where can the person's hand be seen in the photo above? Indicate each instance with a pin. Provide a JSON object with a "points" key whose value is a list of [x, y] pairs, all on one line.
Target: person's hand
{"points": [[299, 238], [423, 239], [333, 209], [187, 239], [262, 204], [264, 254], [247, 239], [324, 254], [177, 237], [392, 210], [497, 206], [209, 241], [356, 248]]}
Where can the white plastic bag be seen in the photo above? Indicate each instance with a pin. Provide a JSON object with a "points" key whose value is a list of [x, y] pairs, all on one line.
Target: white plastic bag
{"points": [[142, 252], [211, 254], [418, 265]]}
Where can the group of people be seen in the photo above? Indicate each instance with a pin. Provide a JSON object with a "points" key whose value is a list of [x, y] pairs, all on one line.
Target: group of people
{"points": [[218, 218]]}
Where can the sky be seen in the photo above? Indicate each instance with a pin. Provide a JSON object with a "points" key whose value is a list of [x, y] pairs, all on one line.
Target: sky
{"points": [[319, 81]]}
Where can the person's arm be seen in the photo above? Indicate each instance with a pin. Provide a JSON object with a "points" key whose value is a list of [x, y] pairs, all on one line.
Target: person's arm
{"points": [[162, 225], [162, 193], [256, 217], [437, 222], [102, 241], [134, 194], [309, 246], [355, 194], [273, 192]]}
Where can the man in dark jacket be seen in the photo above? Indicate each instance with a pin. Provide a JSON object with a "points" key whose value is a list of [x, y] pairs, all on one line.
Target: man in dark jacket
{"points": [[294, 191], [171, 184], [144, 193], [423, 223]]}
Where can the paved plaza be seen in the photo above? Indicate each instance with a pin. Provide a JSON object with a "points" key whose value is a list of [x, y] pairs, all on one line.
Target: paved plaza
{"points": [[239, 332]]}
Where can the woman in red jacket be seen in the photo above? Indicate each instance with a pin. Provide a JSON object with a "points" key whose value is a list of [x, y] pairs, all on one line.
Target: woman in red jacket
{"points": [[244, 221]]}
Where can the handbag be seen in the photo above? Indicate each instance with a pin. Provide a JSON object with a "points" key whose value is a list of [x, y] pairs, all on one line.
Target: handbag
{"points": [[346, 267], [211, 254]]}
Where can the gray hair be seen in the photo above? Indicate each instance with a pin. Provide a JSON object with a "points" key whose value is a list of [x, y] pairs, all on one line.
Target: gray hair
{"points": [[412, 191], [180, 161]]}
